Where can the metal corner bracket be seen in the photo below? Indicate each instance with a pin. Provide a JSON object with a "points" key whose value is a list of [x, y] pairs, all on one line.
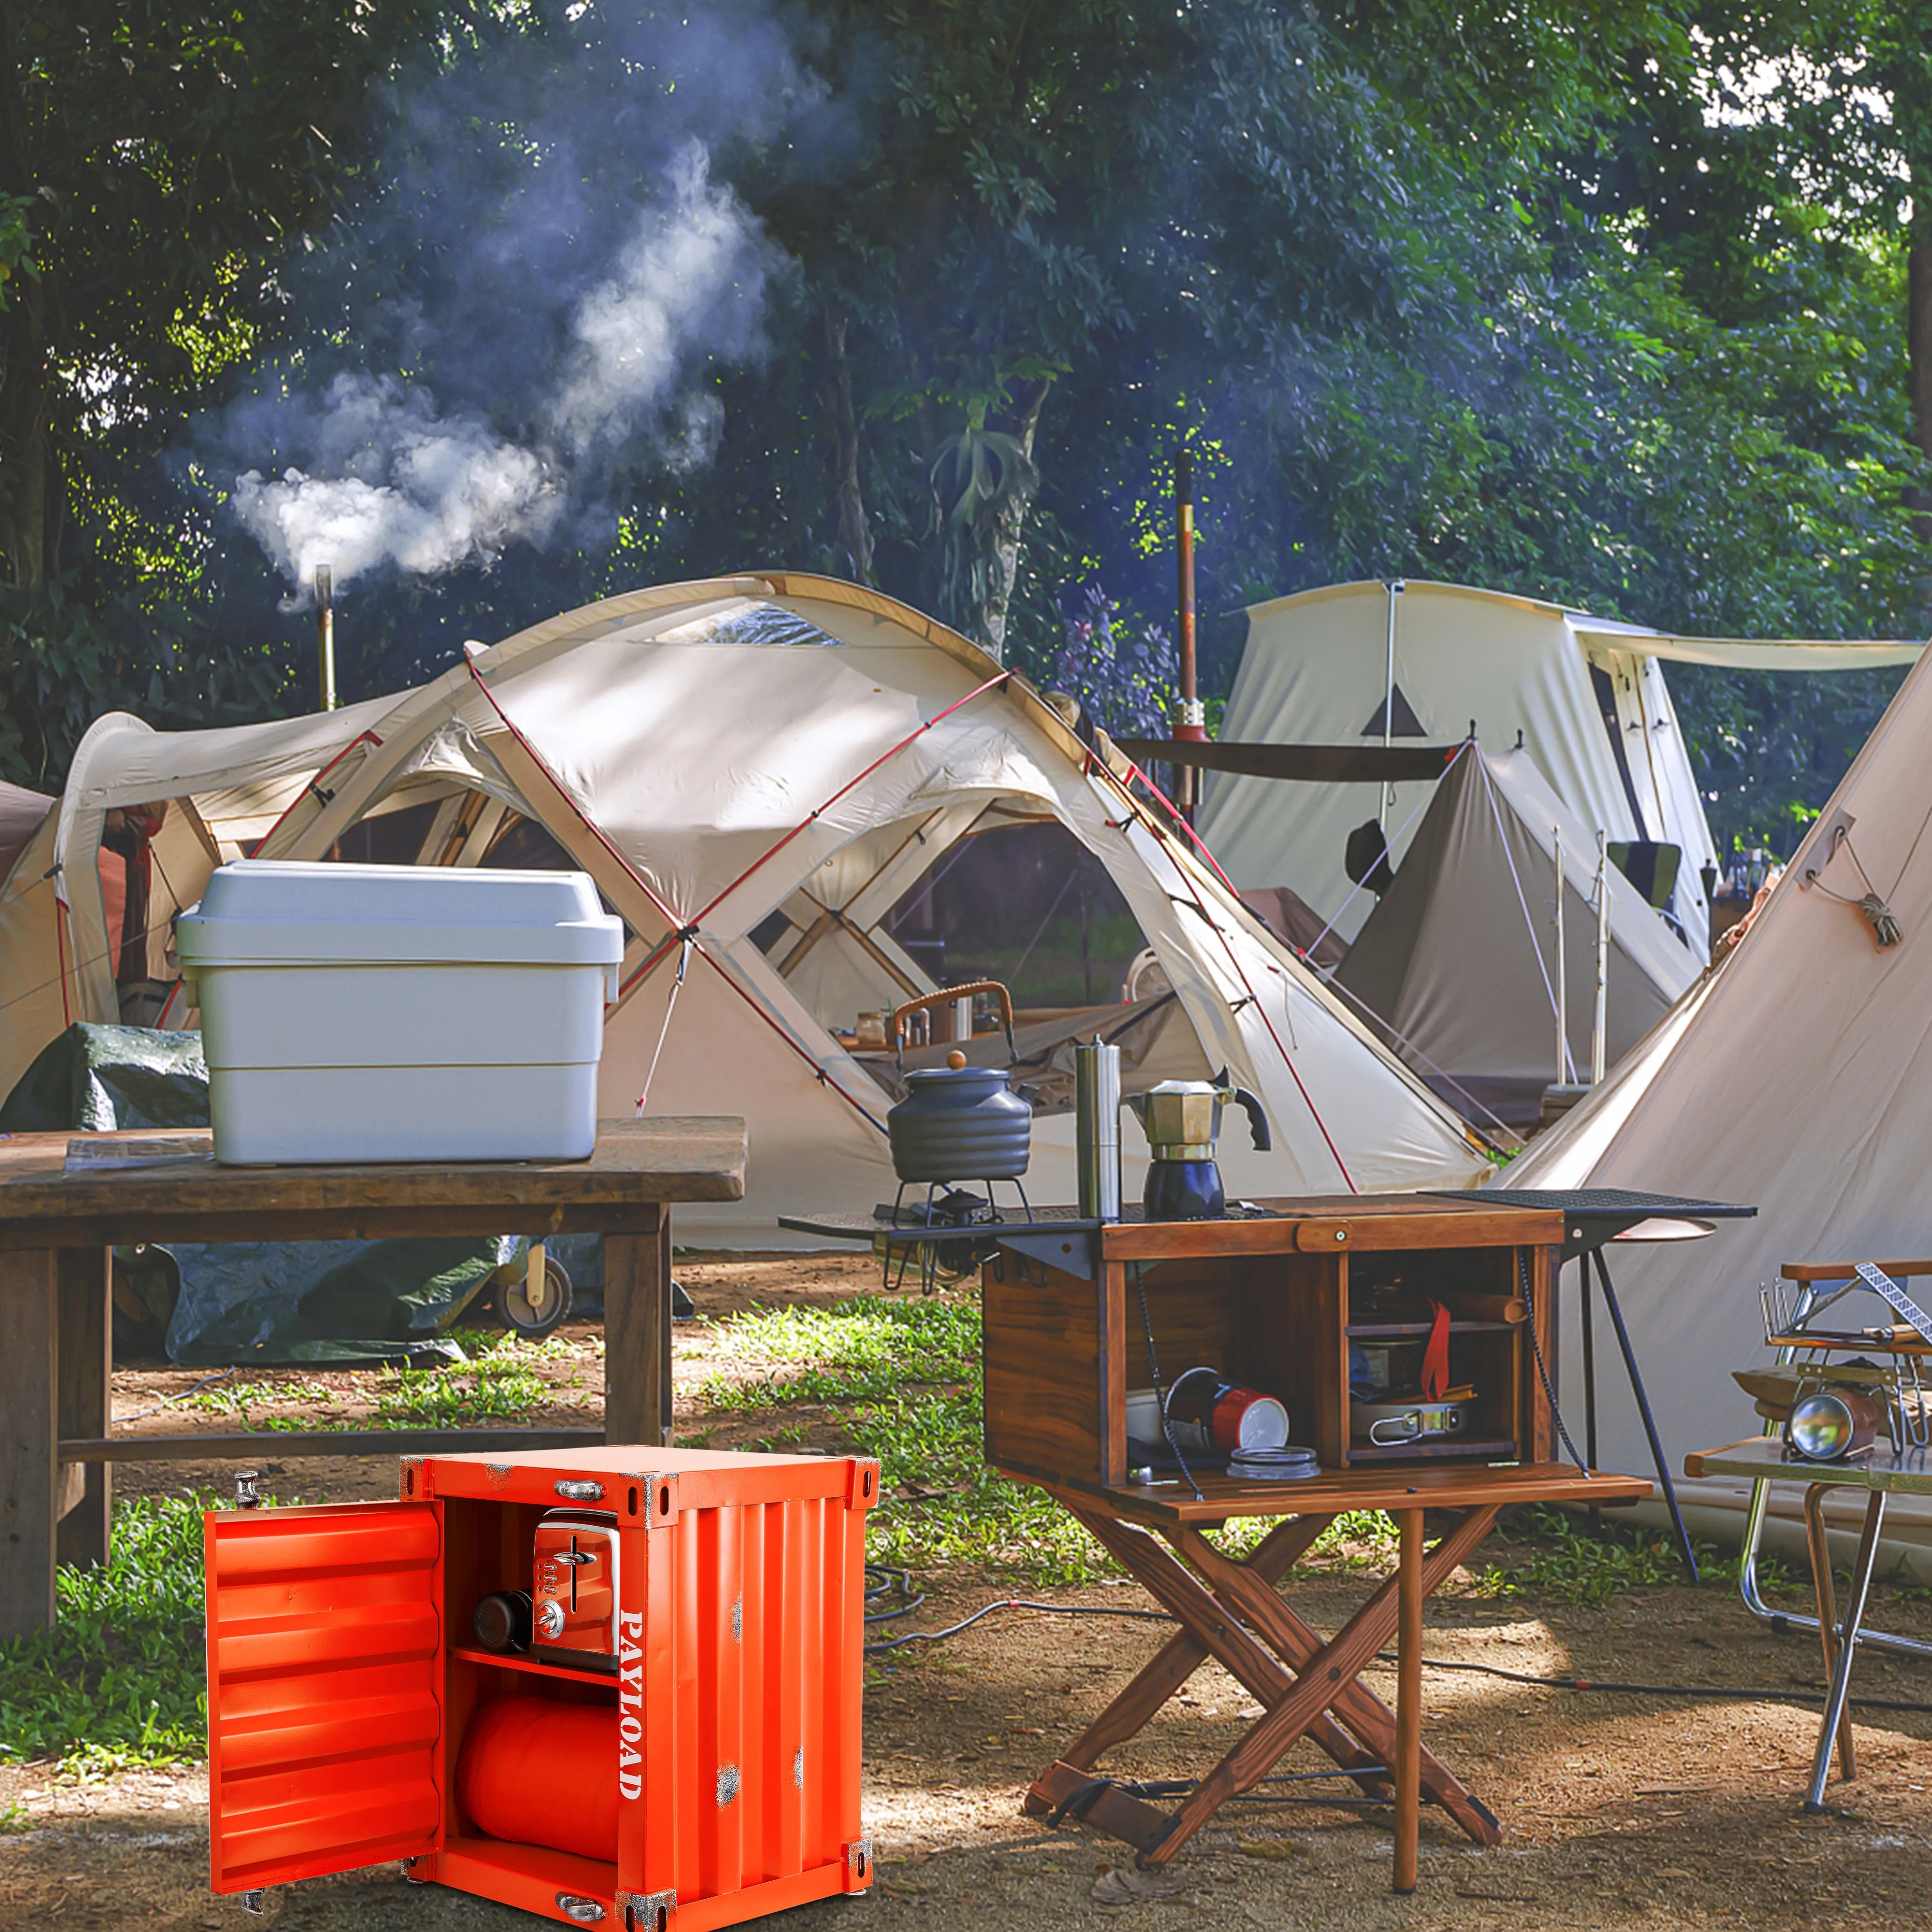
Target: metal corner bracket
{"points": [[647, 1911]]}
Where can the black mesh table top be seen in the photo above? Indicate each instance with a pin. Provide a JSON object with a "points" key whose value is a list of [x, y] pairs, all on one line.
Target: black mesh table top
{"points": [[1618, 1201]]}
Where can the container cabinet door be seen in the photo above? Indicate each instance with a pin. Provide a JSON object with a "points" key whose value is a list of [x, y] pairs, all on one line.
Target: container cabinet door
{"points": [[325, 1683]]}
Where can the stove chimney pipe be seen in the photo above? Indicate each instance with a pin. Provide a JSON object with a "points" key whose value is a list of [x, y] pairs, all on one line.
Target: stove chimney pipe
{"points": [[1190, 725], [325, 632]]}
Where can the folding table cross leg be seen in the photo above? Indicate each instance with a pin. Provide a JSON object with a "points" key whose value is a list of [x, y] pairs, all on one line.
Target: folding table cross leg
{"points": [[1230, 1609]]}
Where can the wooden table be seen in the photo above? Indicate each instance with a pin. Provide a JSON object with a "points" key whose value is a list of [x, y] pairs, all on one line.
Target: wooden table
{"points": [[1266, 1300], [1761, 1458], [58, 1224]]}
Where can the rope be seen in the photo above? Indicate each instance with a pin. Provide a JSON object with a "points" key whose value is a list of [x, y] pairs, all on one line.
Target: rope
{"points": [[1529, 924], [689, 936], [1885, 928]]}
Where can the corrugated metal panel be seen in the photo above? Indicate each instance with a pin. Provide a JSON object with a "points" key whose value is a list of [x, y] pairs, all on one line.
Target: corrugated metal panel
{"points": [[325, 1640]]}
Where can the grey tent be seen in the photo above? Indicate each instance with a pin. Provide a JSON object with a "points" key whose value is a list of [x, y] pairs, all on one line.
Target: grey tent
{"points": [[1457, 961]]}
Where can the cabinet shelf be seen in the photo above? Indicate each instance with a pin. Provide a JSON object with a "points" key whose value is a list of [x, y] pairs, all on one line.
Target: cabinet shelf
{"points": [[1502, 1448], [1394, 1330]]}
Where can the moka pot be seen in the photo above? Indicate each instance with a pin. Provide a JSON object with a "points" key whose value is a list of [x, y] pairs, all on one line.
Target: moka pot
{"points": [[1182, 1120]]}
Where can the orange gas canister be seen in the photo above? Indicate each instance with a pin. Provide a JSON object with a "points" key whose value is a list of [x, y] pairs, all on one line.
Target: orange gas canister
{"points": [[536, 1772]]}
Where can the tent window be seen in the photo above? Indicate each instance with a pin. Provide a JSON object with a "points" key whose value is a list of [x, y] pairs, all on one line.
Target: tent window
{"points": [[387, 838], [770, 930], [1407, 724], [1028, 905]]}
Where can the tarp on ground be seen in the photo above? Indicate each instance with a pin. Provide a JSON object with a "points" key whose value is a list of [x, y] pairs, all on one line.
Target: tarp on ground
{"points": [[1795, 1077], [266, 1302]]}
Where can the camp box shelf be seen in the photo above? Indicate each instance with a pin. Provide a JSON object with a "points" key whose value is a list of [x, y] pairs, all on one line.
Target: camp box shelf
{"points": [[343, 1677], [1275, 1303]]}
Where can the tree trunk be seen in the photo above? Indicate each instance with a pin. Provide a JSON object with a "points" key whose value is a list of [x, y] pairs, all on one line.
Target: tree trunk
{"points": [[852, 545], [25, 366], [1008, 520]]}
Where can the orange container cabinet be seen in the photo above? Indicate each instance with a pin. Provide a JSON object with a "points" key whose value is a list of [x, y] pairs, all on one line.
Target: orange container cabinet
{"points": [[683, 1750]]}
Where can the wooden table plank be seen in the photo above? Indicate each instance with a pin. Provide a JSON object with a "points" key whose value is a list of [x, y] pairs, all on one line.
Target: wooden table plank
{"points": [[698, 1157], [1761, 1458], [1324, 1223], [256, 1445]]}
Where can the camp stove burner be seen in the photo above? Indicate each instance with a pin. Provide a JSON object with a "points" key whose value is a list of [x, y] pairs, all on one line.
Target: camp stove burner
{"points": [[941, 1263]]}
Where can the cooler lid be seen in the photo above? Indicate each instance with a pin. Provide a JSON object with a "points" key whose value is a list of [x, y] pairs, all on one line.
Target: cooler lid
{"points": [[286, 911]]}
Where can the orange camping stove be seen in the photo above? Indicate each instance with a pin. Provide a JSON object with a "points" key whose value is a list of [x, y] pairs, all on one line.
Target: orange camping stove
{"points": [[616, 1687]]}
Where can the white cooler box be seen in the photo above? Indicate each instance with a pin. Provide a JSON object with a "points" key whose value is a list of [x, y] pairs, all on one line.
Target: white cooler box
{"points": [[401, 1012]]}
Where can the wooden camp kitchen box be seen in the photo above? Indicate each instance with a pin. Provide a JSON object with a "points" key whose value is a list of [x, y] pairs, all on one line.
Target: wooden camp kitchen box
{"points": [[344, 1677], [1277, 1303]]}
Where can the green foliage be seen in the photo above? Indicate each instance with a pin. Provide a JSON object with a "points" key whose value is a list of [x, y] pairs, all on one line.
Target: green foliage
{"points": [[119, 1680], [501, 1384]]}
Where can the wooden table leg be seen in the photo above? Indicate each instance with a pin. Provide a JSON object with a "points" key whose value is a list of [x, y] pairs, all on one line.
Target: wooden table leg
{"points": [[29, 1453], [1365, 1715], [637, 1335], [1828, 1612], [1408, 1766], [84, 1351]]}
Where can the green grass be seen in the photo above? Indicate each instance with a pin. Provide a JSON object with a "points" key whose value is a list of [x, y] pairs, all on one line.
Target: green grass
{"points": [[502, 1384], [119, 1679], [1576, 1564]]}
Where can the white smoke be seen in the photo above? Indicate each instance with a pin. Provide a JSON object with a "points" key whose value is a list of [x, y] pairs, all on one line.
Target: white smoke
{"points": [[392, 480], [695, 267], [398, 483]]}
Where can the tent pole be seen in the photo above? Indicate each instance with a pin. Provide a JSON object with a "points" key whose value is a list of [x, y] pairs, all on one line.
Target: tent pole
{"points": [[1562, 983], [1396, 588], [325, 634], [1598, 1030]]}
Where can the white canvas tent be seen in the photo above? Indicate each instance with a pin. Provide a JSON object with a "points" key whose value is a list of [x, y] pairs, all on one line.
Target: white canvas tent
{"points": [[1458, 960], [1796, 1077], [779, 755], [1314, 671]]}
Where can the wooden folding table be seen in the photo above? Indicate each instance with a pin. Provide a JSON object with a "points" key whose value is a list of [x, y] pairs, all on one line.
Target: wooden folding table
{"points": [[61, 1213], [1278, 1299]]}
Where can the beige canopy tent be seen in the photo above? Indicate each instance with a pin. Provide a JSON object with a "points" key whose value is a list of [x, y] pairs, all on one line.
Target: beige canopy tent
{"points": [[1797, 1077], [755, 770], [1587, 694], [1457, 963]]}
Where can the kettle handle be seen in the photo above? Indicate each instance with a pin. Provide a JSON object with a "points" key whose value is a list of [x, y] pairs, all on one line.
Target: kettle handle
{"points": [[1250, 1105], [946, 996]]}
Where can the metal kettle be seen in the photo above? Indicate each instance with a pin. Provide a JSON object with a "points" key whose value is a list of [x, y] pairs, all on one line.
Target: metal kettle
{"points": [[1182, 1120]]}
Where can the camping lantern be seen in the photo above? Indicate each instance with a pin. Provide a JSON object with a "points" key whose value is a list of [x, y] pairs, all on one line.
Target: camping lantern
{"points": [[686, 1736]]}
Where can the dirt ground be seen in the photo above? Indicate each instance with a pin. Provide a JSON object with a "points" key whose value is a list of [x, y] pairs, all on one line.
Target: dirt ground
{"points": [[1619, 1810]]}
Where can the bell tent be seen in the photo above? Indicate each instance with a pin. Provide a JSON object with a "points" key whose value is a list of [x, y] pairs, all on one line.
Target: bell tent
{"points": [[756, 771], [1796, 1077]]}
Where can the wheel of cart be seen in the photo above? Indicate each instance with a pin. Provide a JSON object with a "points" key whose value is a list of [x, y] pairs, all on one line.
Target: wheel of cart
{"points": [[533, 1316]]}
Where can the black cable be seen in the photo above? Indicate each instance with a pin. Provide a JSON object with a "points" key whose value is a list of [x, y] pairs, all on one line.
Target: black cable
{"points": [[1160, 1393], [889, 1580], [1019, 1603], [1542, 1367], [1715, 1690]]}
